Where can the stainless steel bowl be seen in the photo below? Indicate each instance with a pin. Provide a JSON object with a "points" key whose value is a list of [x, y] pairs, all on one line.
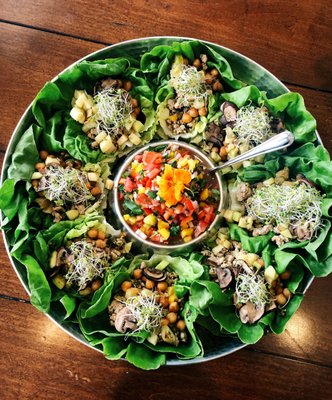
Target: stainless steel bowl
{"points": [[165, 248]]}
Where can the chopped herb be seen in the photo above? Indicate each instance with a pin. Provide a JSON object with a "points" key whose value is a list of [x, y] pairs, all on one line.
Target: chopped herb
{"points": [[215, 194], [152, 194], [158, 149], [175, 230], [122, 189], [132, 207]]}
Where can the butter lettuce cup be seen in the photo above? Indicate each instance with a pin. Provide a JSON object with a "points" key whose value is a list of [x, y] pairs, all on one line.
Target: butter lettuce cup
{"points": [[189, 79], [104, 108], [142, 313]]}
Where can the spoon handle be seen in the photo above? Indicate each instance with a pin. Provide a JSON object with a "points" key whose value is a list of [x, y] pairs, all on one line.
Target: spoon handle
{"points": [[277, 142]]}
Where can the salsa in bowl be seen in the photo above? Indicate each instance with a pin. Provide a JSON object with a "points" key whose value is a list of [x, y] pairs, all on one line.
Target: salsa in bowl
{"points": [[165, 196]]}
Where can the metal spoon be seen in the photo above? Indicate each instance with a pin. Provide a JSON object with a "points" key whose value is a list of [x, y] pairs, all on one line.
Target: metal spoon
{"points": [[277, 142]]}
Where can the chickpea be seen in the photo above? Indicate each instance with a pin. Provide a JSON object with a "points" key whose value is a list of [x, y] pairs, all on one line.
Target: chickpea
{"points": [[217, 86], [202, 111], [88, 185], [163, 300], [164, 321], [149, 284], [215, 149], [185, 61], [133, 102], [285, 275], [127, 85], [223, 153], [181, 325], [43, 154], [101, 235], [208, 78], [186, 118], [125, 285], [193, 112], [214, 72], [95, 191], [174, 306], [96, 284], [279, 290], [281, 299], [137, 110], [92, 233], [172, 317], [162, 286], [119, 83], [39, 166], [35, 183], [101, 244], [287, 293], [137, 274], [197, 63]]}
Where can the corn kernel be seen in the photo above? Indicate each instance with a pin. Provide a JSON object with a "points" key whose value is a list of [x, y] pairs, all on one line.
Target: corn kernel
{"points": [[205, 194], [165, 233], [187, 232]]}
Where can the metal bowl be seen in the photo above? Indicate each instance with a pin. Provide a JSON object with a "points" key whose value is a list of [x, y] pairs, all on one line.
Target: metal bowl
{"points": [[164, 248], [244, 69]]}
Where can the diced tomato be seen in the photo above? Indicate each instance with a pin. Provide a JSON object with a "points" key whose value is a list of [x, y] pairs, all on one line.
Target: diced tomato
{"points": [[152, 159], [156, 238], [148, 211], [139, 157], [129, 185], [169, 214], [185, 221], [179, 209], [143, 200], [209, 216], [200, 228], [153, 173], [121, 196], [189, 205]]}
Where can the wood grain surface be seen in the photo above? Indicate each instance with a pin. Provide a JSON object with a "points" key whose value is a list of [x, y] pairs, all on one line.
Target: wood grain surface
{"points": [[38, 39]]}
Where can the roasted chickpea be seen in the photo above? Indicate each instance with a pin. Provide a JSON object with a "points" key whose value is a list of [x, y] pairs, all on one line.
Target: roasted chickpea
{"points": [[202, 111], [133, 102], [193, 112], [172, 317], [223, 153], [163, 300], [281, 299], [285, 275], [101, 243], [149, 284], [101, 235], [164, 321], [217, 86], [126, 285], [92, 233], [127, 85], [162, 286], [43, 154], [181, 325], [186, 118], [137, 274], [95, 191], [197, 63], [96, 284], [174, 306], [185, 61], [214, 72], [39, 166], [208, 78]]}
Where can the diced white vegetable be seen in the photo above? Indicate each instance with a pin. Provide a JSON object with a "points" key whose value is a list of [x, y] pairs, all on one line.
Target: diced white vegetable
{"points": [[107, 146], [138, 126], [80, 100], [270, 274], [109, 184], [72, 214], [134, 139], [88, 125], [77, 93], [88, 103], [122, 140], [78, 114], [37, 175], [101, 136], [93, 176]]}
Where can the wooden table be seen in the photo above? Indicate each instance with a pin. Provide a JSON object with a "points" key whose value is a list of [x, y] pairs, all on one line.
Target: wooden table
{"points": [[38, 39]]}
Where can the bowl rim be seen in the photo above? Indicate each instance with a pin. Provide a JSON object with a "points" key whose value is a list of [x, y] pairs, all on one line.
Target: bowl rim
{"points": [[10, 147]]}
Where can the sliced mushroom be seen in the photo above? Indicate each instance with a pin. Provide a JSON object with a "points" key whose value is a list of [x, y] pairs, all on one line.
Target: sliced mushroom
{"points": [[240, 264], [153, 274], [229, 111], [301, 178], [105, 84], [277, 125], [121, 317], [61, 255], [224, 277], [214, 135], [243, 191], [249, 313]]}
